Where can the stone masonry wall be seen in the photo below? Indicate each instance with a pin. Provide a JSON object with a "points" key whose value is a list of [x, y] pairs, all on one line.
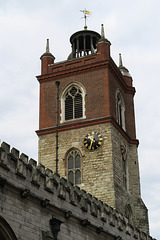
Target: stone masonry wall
{"points": [[35, 202], [101, 168], [97, 165], [132, 196]]}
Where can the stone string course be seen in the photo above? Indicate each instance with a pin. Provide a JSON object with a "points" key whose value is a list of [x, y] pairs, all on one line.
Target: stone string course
{"points": [[28, 188]]}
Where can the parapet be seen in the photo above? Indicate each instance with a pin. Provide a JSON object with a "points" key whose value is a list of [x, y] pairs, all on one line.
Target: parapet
{"points": [[30, 179]]}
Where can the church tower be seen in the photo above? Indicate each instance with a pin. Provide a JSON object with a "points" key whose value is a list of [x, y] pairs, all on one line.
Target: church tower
{"points": [[87, 124]]}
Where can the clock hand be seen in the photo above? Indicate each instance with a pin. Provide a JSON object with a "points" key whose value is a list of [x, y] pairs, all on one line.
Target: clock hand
{"points": [[92, 139]]}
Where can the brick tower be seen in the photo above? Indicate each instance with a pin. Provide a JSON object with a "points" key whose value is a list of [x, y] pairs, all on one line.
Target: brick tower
{"points": [[87, 124]]}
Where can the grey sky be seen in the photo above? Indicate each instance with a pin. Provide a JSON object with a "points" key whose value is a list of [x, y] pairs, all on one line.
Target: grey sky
{"points": [[133, 29]]}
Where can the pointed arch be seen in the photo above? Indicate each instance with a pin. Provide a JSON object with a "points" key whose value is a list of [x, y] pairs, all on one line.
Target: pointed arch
{"points": [[129, 213], [73, 159], [124, 167], [120, 109], [73, 102], [6, 232]]}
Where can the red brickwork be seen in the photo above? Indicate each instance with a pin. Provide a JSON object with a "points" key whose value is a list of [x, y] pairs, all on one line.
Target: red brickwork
{"points": [[46, 60], [100, 77]]}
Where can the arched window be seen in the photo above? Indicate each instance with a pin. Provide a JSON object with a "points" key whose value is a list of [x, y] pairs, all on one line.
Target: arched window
{"points": [[73, 161], [124, 166], [129, 214], [6, 233], [73, 103], [120, 110]]}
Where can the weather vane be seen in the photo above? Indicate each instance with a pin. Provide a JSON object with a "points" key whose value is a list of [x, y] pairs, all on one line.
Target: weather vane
{"points": [[86, 13]]}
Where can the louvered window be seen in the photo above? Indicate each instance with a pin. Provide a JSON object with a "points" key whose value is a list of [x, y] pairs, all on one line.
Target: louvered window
{"points": [[74, 166], [73, 103], [68, 108]]}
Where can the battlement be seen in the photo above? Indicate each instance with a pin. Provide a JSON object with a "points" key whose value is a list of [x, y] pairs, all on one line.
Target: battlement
{"points": [[35, 181]]}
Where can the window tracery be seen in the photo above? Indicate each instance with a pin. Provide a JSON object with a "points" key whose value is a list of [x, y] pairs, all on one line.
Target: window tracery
{"points": [[73, 103], [74, 166]]}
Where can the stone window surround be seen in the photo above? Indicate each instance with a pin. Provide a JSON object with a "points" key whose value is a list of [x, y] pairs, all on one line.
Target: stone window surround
{"points": [[66, 163], [62, 99], [5, 230]]}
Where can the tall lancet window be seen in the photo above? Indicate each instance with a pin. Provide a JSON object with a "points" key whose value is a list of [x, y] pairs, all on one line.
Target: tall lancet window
{"points": [[120, 109], [73, 103], [124, 166], [129, 214], [74, 166]]}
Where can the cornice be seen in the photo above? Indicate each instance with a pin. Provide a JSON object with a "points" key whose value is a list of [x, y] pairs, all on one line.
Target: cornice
{"points": [[72, 71], [81, 66], [113, 67], [86, 123]]}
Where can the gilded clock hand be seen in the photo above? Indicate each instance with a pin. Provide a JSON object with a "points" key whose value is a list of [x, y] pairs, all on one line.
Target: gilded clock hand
{"points": [[92, 139]]}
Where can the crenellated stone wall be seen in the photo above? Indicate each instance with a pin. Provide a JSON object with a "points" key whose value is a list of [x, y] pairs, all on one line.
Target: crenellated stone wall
{"points": [[38, 204]]}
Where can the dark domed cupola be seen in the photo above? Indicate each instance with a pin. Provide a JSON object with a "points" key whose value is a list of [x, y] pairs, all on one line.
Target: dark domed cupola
{"points": [[83, 43]]}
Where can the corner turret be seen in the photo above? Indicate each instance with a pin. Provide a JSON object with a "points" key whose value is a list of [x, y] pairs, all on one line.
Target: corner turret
{"points": [[46, 58], [103, 46], [126, 75], [123, 69]]}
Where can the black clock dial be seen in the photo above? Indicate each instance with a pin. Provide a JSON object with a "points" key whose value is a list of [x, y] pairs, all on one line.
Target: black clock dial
{"points": [[93, 140]]}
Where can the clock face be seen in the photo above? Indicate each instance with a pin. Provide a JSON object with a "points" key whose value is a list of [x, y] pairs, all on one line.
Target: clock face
{"points": [[93, 140]]}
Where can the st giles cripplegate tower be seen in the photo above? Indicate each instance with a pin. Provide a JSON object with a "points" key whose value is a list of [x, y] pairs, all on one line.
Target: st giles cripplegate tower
{"points": [[87, 124]]}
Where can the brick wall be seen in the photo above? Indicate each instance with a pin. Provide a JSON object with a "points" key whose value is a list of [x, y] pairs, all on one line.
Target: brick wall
{"points": [[101, 80]]}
